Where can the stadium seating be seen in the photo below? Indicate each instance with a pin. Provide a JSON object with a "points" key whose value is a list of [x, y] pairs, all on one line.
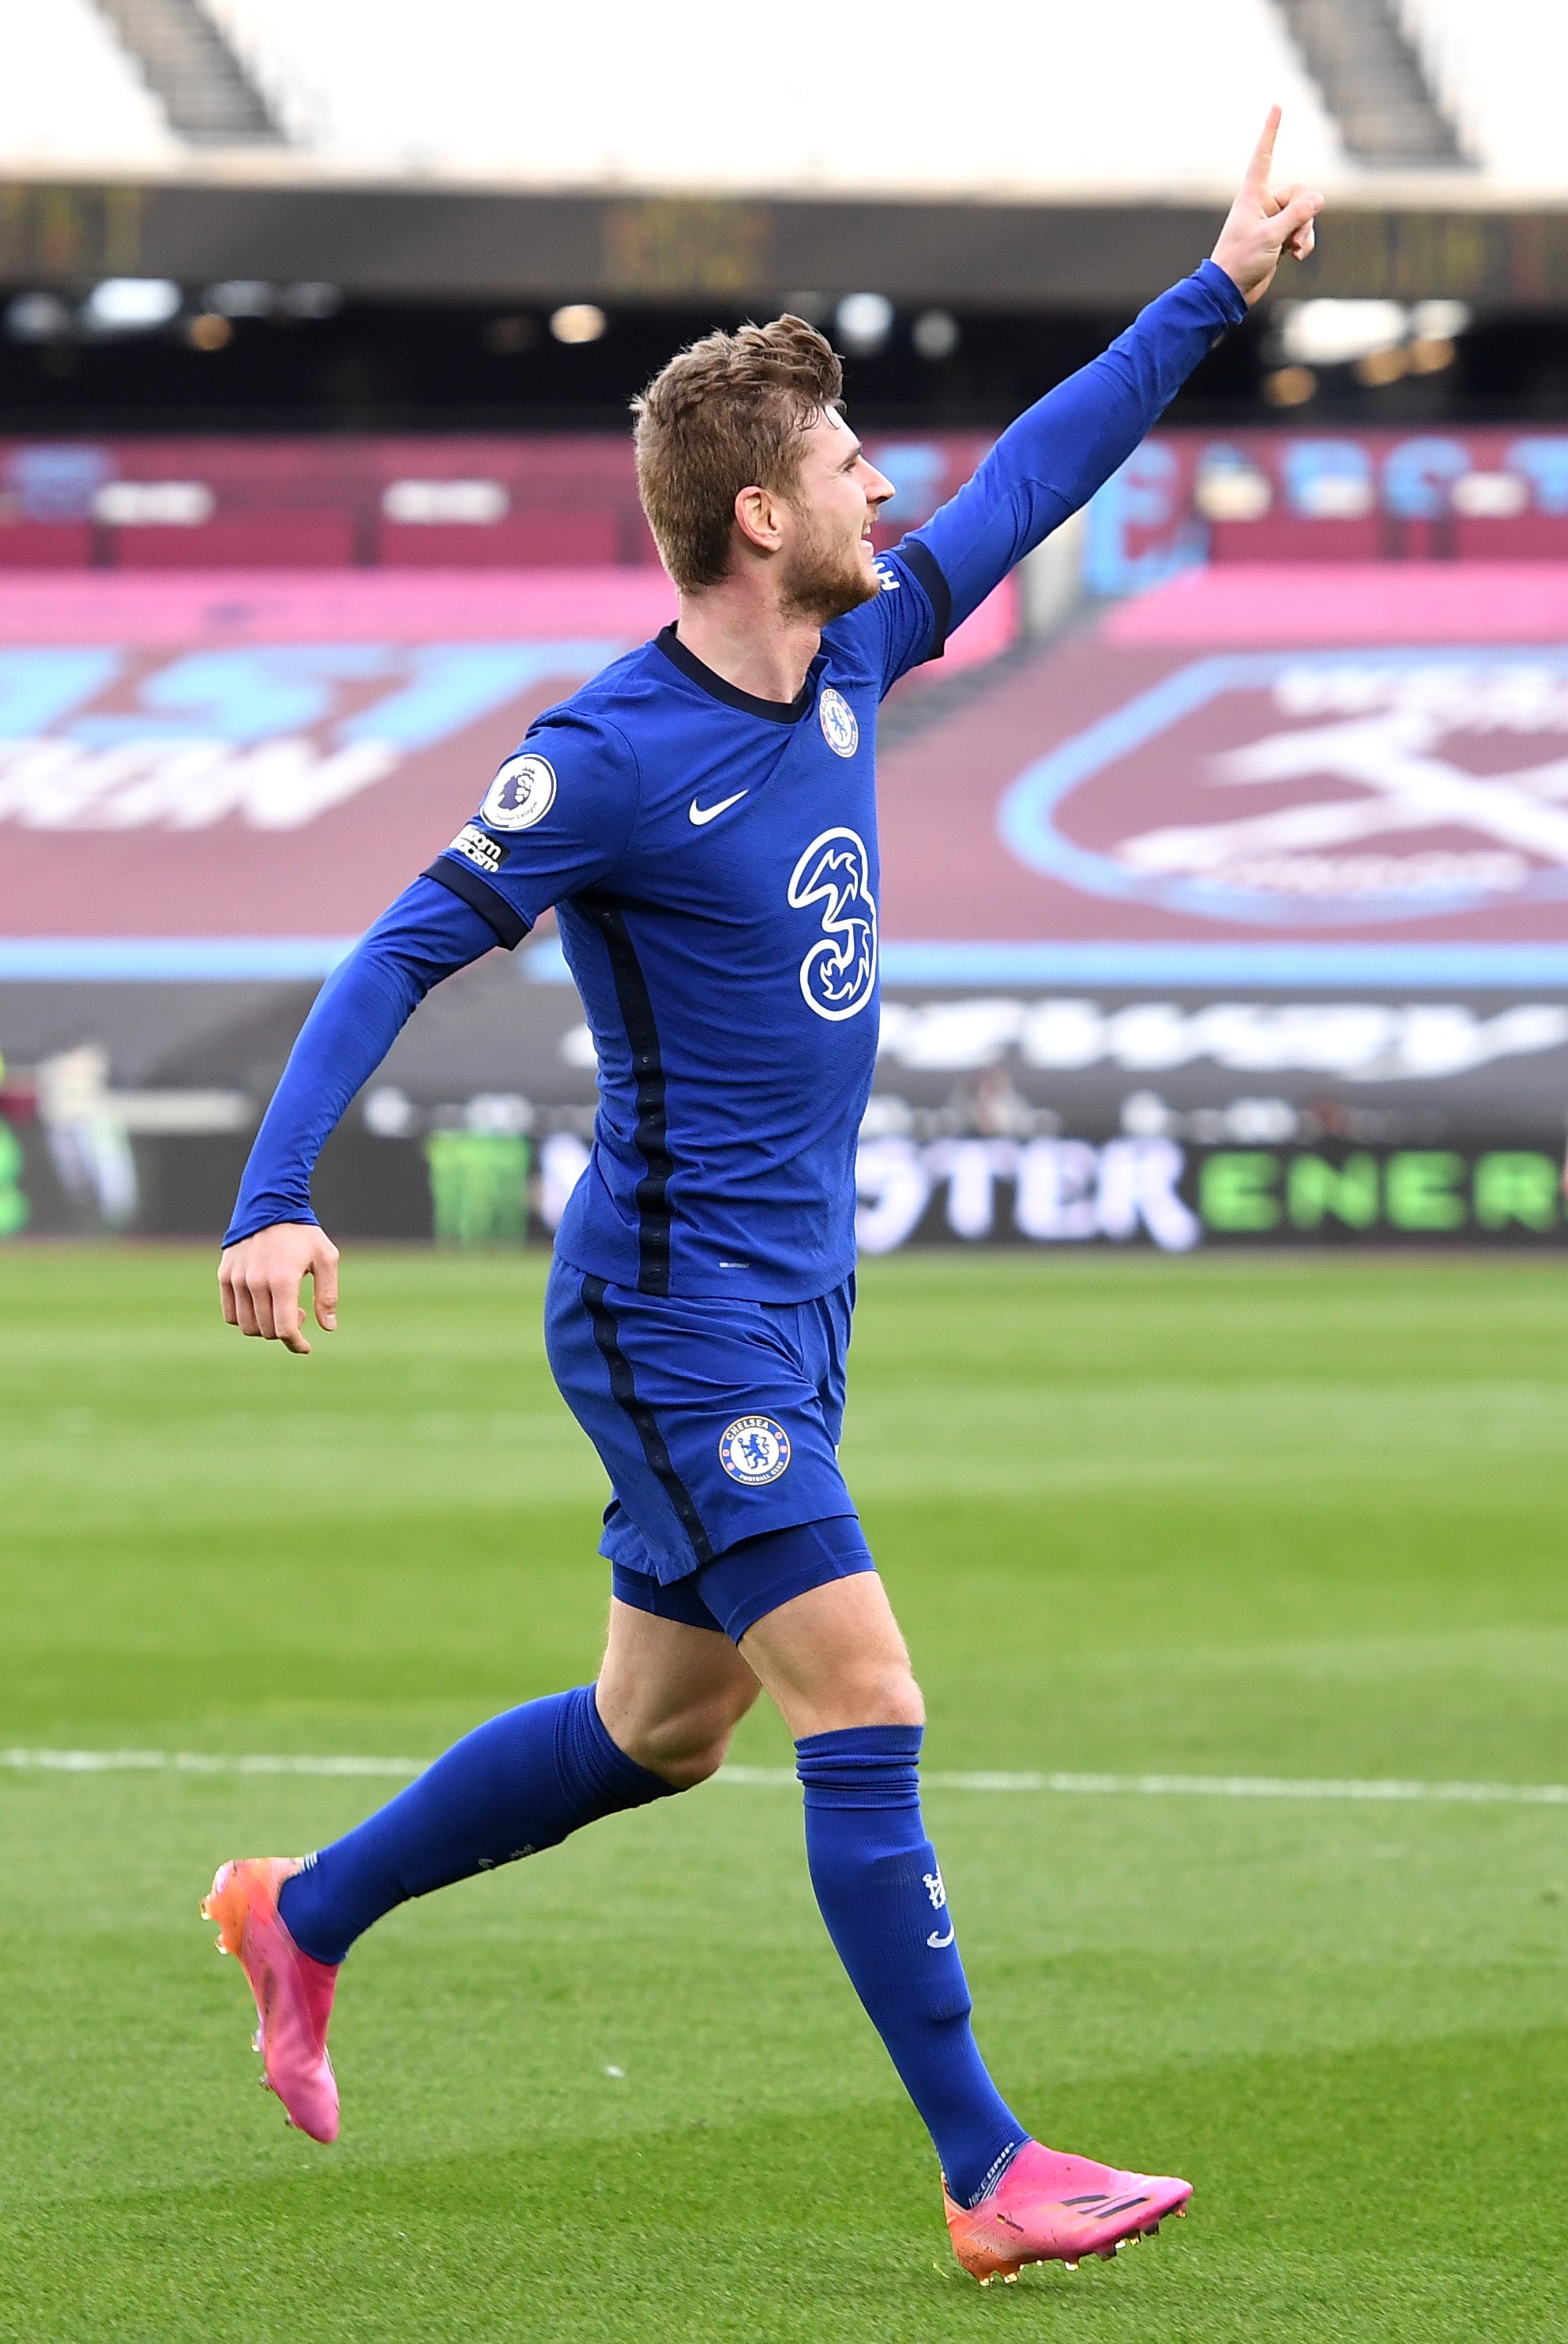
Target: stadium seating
{"points": [[464, 501], [1001, 99], [69, 91]]}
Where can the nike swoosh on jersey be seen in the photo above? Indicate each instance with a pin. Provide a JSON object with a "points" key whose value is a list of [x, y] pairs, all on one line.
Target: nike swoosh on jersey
{"points": [[697, 816], [937, 1943]]}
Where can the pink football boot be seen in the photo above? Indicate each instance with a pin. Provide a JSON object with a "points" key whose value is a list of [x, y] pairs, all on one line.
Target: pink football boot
{"points": [[293, 1992], [1051, 2208]]}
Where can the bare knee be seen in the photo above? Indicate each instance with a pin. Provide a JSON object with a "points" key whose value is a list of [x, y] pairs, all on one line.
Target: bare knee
{"points": [[669, 1695], [872, 1695], [833, 1659], [684, 1748], [905, 1703], [858, 1690]]}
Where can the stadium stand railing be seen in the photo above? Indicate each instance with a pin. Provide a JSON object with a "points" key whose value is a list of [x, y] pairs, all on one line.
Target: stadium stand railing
{"points": [[206, 93], [1372, 72]]}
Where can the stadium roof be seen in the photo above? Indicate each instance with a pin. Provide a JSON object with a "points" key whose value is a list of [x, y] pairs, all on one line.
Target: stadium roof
{"points": [[990, 101], [1060, 156], [1133, 96]]}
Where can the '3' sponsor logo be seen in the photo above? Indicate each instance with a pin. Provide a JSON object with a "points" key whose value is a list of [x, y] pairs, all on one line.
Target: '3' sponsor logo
{"points": [[839, 971]]}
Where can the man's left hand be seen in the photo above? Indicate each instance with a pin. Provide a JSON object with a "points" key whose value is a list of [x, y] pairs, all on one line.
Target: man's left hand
{"points": [[1264, 224]]}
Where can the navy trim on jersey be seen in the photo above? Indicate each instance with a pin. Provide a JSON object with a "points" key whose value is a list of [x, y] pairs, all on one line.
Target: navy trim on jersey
{"points": [[480, 896], [650, 1137], [623, 1392], [923, 564], [777, 711]]}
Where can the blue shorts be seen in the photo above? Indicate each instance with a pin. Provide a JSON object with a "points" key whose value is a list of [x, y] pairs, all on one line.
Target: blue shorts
{"points": [[717, 1423]]}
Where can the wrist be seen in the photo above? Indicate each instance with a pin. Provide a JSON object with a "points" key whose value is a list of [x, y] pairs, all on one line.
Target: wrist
{"points": [[266, 1213], [1229, 291]]}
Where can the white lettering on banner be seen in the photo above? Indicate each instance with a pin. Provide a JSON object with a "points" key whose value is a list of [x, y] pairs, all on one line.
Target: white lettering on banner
{"points": [[1058, 1184], [971, 1168], [1137, 1181], [154, 504], [895, 1188], [182, 785], [470, 503], [1362, 1041], [1503, 697], [1389, 743], [950, 1034], [1065, 1190]]}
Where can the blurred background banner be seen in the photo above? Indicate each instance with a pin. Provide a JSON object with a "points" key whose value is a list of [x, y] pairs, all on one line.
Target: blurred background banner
{"points": [[1191, 498], [228, 773], [1225, 852]]}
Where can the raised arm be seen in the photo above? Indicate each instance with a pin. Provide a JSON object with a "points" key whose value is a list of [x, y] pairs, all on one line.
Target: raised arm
{"points": [[1053, 459], [274, 1241]]}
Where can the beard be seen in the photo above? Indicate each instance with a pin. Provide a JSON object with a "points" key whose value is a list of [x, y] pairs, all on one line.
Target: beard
{"points": [[826, 579]]}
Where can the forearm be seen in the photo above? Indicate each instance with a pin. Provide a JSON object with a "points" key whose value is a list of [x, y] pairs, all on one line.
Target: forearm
{"points": [[427, 935], [1053, 459]]}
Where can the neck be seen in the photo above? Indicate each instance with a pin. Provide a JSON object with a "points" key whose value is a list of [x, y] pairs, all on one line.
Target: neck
{"points": [[738, 630]]}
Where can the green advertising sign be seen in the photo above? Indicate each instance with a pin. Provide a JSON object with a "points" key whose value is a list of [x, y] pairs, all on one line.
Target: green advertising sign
{"points": [[1422, 1192]]}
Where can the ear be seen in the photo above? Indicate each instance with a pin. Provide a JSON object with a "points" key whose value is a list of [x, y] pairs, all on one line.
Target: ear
{"points": [[758, 519]]}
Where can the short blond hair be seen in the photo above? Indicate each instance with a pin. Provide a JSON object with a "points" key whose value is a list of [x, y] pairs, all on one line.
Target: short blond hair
{"points": [[730, 412]]}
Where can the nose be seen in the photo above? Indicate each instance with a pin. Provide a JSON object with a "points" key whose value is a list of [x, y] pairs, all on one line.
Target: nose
{"points": [[877, 486]]}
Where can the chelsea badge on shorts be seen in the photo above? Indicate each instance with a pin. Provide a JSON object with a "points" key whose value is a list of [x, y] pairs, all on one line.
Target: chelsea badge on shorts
{"points": [[754, 1450]]}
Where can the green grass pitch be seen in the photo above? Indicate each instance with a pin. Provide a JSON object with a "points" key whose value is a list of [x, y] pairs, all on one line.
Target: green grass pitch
{"points": [[1295, 1517]]}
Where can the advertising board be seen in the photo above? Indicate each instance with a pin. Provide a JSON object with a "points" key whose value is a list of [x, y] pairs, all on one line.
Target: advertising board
{"points": [[1240, 917]]}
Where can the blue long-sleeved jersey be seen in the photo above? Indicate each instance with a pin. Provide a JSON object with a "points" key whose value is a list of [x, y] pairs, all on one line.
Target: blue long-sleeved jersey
{"points": [[712, 861]]}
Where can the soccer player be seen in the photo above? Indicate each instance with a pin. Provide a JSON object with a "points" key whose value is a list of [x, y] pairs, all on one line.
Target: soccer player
{"points": [[702, 816]]}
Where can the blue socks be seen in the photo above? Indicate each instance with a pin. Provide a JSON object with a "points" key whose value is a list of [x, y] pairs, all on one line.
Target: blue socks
{"points": [[527, 1780], [519, 1784], [879, 1886]]}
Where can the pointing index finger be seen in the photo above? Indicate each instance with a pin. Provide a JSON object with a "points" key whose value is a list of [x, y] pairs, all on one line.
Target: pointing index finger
{"points": [[1263, 161]]}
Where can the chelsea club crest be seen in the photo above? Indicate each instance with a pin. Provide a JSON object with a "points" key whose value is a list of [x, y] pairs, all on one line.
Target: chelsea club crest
{"points": [[754, 1450], [839, 727]]}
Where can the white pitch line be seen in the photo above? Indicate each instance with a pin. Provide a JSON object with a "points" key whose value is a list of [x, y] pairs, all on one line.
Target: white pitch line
{"points": [[1217, 1786], [1155, 1786], [198, 1762]]}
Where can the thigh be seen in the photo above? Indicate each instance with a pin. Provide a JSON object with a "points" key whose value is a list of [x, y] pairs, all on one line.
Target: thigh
{"points": [[836, 1658]]}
